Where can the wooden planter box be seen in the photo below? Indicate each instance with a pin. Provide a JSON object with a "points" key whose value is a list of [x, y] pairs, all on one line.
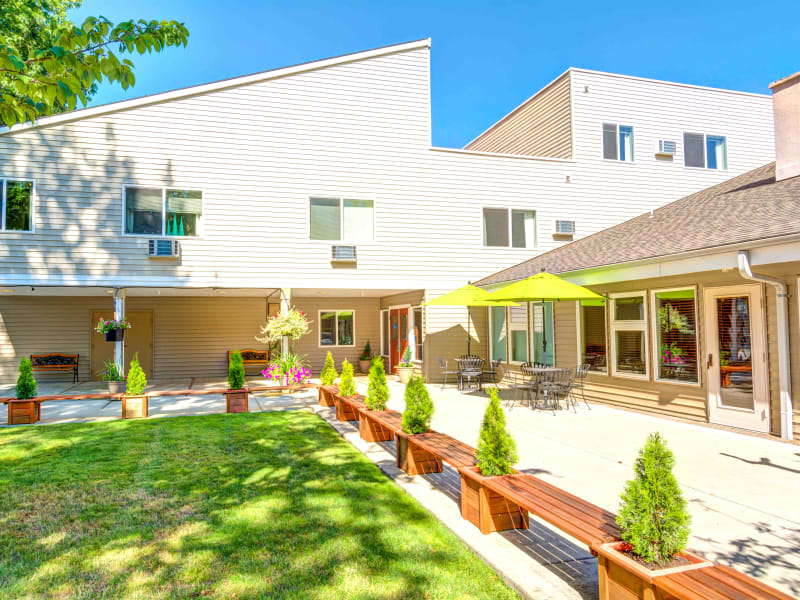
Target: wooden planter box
{"points": [[413, 459], [236, 401], [135, 407], [488, 510], [621, 578], [372, 430], [347, 411], [23, 412], [326, 394]]}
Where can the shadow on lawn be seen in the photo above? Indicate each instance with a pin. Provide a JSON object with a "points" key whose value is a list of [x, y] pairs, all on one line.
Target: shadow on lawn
{"points": [[268, 506]]}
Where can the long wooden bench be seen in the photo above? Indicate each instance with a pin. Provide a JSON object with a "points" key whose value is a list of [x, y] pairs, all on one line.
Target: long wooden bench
{"points": [[326, 395], [715, 583], [252, 358], [55, 362], [424, 452], [347, 406], [379, 425]]}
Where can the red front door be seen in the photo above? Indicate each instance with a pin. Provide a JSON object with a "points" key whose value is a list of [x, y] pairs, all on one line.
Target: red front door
{"points": [[398, 336]]}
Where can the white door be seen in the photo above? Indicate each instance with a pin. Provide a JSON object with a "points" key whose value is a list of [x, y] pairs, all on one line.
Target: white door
{"points": [[738, 390]]}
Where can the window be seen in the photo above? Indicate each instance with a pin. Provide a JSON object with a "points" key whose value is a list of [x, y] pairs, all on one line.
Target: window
{"points": [[676, 337], [542, 341], [16, 205], [705, 151], [336, 328], [502, 224], [628, 335], [341, 219], [163, 211], [385, 332], [593, 334], [498, 335], [617, 142], [518, 332], [418, 332]]}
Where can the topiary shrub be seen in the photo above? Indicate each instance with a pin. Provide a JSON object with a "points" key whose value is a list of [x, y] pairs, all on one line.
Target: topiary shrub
{"points": [[419, 407], [377, 391], [328, 374], [496, 452], [26, 384], [137, 380], [406, 360], [367, 353], [347, 386], [236, 377], [653, 516]]}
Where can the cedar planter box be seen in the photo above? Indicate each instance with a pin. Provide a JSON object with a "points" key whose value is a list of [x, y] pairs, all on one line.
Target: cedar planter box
{"points": [[414, 460], [621, 578], [486, 509], [347, 411], [372, 430], [236, 401], [135, 407], [23, 412], [326, 394]]}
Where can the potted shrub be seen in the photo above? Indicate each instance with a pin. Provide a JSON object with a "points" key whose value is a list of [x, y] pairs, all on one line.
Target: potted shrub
{"points": [[377, 397], [114, 329], [495, 456], [654, 526], [23, 413], [365, 359], [288, 370], [405, 368], [327, 378], [114, 378], [416, 419], [135, 401], [236, 396]]}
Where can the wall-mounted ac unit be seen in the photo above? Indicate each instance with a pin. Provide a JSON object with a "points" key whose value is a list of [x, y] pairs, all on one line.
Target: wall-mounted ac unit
{"points": [[666, 148], [565, 227], [163, 249], [343, 254]]}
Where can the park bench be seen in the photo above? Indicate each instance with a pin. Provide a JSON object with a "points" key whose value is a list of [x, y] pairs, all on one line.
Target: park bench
{"points": [[326, 395], [252, 358], [713, 583], [379, 425], [347, 406], [55, 362], [424, 452]]}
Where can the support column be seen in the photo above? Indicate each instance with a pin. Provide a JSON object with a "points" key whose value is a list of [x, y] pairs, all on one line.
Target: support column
{"points": [[119, 314], [286, 302]]}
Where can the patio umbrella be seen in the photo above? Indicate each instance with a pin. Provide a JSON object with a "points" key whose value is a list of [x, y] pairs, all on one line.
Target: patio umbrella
{"points": [[544, 287], [468, 295]]}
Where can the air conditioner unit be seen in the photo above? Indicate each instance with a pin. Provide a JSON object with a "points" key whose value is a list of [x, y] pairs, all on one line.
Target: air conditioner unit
{"points": [[666, 148], [565, 227], [163, 249], [343, 254]]}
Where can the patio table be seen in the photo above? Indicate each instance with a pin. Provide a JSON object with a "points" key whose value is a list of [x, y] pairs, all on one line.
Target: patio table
{"points": [[470, 370]]}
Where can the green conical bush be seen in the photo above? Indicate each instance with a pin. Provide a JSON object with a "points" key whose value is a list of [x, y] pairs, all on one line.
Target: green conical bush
{"points": [[26, 384], [419, 407], [377, 390], [653, 516], [328, 374], [497, 451], [236, 376], [347, 386], [137, 380]]}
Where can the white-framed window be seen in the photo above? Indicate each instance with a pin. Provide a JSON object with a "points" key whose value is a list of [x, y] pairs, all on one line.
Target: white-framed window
{"points": [[675, 344], [629, 348], [543, 349], [498, 333], [594, 342], [341, 219], [416, 326], [509, 227], [617, 142], [162, 211], [705, 151], [518, 333], [385, 333], [337, 328], [17, 201]]}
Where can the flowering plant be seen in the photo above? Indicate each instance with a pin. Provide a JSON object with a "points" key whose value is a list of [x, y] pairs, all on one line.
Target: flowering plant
{"points": [[292, 324], [104, 326], [405, 362], [288, 369], [672, 355], [112, 372]]}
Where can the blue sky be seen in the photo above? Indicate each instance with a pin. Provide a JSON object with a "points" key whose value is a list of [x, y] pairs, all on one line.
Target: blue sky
{"points": [[486, 57]]}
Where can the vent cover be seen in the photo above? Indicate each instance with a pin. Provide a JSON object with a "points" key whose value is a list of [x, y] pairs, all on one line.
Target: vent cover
{"points": [[565, 227], [666, 147], [163, 249], [343, 254]]}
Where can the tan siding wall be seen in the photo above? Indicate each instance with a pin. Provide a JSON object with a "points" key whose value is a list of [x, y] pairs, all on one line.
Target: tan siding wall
{"points": [[539, 127], [414, 298], [564, 333]]}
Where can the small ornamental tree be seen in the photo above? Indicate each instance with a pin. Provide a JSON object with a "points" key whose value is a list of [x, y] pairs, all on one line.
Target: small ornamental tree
{"points": [[328, 374], [367, 353], [347, 386], [26, 384], [496, 452], [406, 360], [377, 391], [419, 407], [236, 372], [137, 380], [653, 516]]}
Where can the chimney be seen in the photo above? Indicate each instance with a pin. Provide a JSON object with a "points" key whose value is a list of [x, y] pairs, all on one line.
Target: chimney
{"points": [[786, 108]]}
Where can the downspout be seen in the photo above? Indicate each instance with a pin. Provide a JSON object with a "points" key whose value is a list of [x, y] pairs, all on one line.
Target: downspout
{"points": [[782, 316]]}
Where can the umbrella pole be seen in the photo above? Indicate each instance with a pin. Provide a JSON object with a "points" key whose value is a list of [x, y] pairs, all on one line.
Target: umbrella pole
{"points": [[469, 336]]}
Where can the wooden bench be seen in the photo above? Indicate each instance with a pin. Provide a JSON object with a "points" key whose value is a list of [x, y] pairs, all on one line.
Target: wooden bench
{"points": [[347, 406], [252, 358], [56, 361], [326, 395], [424, 452], [379, 425], [714, 583]]}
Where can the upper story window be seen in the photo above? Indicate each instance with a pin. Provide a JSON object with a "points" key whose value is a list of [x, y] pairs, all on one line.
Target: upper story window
{"points": [[504, 227], [705, 151], [617, 142], [342, 219], [163, 211], [16, 205]]}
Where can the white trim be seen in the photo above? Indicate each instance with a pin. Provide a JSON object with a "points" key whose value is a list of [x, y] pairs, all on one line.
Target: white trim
{"points": [[336, 311], [705, 167], [358, 197], [509, 215], [3, 200], [616, 141], [656, 343], [581, 345], [637, 325], [205, 88], [163, 234], [526, 328], [412, 322]]}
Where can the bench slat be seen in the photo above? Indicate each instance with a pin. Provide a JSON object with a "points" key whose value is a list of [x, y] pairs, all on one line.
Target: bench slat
{"points": [[456, 453], [718, 582], [391, 419]]}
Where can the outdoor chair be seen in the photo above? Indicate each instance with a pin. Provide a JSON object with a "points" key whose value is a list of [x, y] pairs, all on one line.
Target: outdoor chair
{"points": [[471, 370], [579, 381], [555, 384], [490, 375], [520, 382], [447, 371]]}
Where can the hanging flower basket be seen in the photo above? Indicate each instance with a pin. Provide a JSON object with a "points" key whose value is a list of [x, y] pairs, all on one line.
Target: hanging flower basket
{"points": [[114, 329], [115, 335]]}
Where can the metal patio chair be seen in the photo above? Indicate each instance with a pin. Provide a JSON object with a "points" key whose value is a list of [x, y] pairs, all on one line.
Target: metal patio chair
{"points": [[443, 365], [579, 381]]}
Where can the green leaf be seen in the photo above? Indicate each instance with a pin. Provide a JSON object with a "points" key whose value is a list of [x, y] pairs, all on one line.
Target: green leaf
{"points": [[64, 89]]}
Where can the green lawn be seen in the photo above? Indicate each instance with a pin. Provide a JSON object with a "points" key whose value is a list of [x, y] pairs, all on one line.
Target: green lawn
{"points": [[270, 505]]}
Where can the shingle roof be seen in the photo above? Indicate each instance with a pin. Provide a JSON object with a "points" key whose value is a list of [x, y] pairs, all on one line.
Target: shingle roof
{"points": [[747, 208]]}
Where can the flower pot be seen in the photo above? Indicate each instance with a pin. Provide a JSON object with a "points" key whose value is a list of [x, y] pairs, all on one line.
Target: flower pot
{"points": [[364, 365], [115, 335], [404, 373], [622, 578], [488, 510], [117, 387], [236, 401], [135, 407]]}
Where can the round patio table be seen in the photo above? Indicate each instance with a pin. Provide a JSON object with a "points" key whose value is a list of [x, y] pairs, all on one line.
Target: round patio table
{"points": [[470, 370]]}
